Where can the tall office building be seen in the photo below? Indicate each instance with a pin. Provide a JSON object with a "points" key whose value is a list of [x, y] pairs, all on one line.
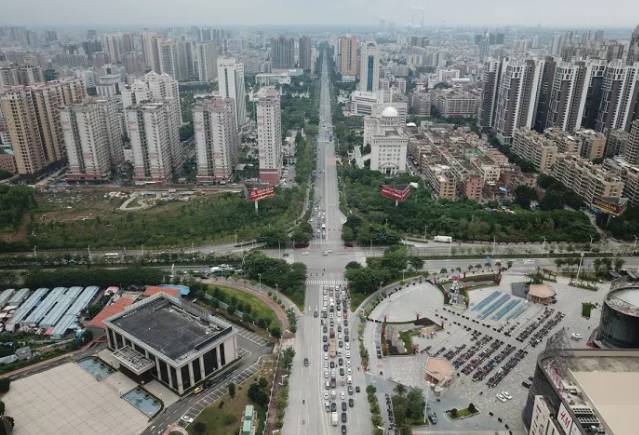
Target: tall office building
{"points": [[619, 93], [92, 137], [347, 56], [631, 147], [206, 54], [369, 68], [31, 116], [230, 77], [154, 139], [216, 138], [282, 53], [305, 58], [545, 93], [269, 135], [517, 95]]}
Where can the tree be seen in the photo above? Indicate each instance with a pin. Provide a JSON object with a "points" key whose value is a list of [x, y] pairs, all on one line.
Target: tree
{"points": [[400, 389], [553, 200], [619, 262], [524, 195], [2, 407], [415, 262], [231, 389], [471, 408], [4, 385], [276, 332], [453, 413]]}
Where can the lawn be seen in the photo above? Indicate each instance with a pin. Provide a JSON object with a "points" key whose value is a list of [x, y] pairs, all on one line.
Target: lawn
{"points": [[357, 299], [259, 308], [225, 420]]}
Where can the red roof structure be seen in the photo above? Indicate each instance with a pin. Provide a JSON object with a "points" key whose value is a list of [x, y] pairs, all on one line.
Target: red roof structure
{"points": [[110, 310], [151, 290]]}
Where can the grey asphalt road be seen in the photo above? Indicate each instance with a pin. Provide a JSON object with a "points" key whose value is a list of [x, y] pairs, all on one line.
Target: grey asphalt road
{"points": [[325, 259]]}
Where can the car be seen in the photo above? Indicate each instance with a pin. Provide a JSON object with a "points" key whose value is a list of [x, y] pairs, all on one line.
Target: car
{"points": [[333, 407], [339, 328], [326, 356], [348, 354], [325, 395], [433, 418], [349, 379], [315, 313], [333, 373], [342, 395], [187, 419], [197, 389], [332, 364], [325, 329], [350, 390], [341, 371], [325, 374], [325, 339], [500, 397], [343, 429], [343, 417], [349, 371], [347, 346], [326, 348], [340, 343], [346, 339], [351, 402], [343, 406], [306, 362], [340, 361], [357, 389], [526, 384], [327, 405], [345, 322], [507, 395]]}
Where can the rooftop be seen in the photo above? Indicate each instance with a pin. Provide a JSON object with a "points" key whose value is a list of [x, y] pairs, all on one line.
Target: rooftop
{"points": [[625, 298], [598, 380], [164, 324]]}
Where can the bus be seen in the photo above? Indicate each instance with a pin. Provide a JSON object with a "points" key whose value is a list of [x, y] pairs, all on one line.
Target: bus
{"points": [[331, 347]]}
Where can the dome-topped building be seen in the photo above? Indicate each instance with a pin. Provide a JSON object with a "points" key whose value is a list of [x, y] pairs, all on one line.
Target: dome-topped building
{"points": [[390, 112]]}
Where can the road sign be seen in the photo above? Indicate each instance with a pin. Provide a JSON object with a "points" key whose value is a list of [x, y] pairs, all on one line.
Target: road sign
{"points": [[258, 193], [397, 194]]}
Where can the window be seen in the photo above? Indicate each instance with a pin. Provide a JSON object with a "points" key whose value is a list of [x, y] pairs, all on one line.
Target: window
{"points": [[186, 377]]}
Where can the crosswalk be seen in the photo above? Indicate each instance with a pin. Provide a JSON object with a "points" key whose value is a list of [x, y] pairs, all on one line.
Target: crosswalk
{"points": [[252, 337], [326, 282]]}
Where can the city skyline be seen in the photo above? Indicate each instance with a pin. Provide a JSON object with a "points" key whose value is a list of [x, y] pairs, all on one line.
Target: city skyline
{"points": [[621, 13]]}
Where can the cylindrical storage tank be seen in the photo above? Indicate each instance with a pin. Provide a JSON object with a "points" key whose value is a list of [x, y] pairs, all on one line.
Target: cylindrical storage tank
{"points": [[619, 325]]}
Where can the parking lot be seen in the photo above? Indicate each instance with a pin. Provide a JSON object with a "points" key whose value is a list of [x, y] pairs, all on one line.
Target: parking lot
{"points": [[493, 346]]}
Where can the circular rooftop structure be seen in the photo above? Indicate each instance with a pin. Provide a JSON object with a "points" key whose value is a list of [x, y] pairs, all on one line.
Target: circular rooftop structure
{"points": [[619, 325], [390, 112]]}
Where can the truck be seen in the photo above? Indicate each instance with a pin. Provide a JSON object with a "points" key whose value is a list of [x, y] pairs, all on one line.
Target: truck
{"points": [[331, 347], [334, 419], [443, 239]]}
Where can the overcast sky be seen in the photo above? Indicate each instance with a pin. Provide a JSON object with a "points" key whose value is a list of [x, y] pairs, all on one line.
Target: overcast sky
{"points": [[555, 13]]}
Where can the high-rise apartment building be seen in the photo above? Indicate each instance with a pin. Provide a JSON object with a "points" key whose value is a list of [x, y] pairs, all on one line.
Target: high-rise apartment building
{"points": [[490, 79], [31, 116], [305, 56], [168, 58], [151, 51], [619, 92], [153, 87], [206, 54], [535, 148], [633, 47], [631, 147], [282, 53], [369, 68], [269, 135], [517, 94], [230, 77], [155, 141], [92, 137], [216, 138]]}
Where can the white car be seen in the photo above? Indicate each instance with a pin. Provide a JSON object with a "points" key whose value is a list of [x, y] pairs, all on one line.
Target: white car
{"points": [[325, 396], [187, 419], [347, 346], [341, 395], [325, 374], [325, 357], [501, 397], [349, 371], [507, 395], [348, 354]]}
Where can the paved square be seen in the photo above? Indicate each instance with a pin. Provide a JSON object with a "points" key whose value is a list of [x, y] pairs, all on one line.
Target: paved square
{"points": [[68, 400]]}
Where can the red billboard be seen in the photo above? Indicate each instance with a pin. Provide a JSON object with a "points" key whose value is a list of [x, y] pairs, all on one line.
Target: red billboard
{"points": [[259, 193], [399, 194]]}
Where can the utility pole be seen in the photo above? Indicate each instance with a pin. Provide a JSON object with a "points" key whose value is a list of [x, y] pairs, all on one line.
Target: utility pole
{"points": [[579, 268]]}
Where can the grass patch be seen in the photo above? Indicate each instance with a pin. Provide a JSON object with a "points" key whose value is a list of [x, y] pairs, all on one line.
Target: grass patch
{"points": [[356, 300], [407, 339], [258, 308]]}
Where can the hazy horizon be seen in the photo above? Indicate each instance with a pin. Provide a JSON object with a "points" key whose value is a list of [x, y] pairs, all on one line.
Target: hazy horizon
{"points": [[330, 13]]}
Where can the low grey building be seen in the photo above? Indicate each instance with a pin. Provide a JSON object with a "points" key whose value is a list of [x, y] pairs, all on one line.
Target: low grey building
{"points": [[173, 341]]}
